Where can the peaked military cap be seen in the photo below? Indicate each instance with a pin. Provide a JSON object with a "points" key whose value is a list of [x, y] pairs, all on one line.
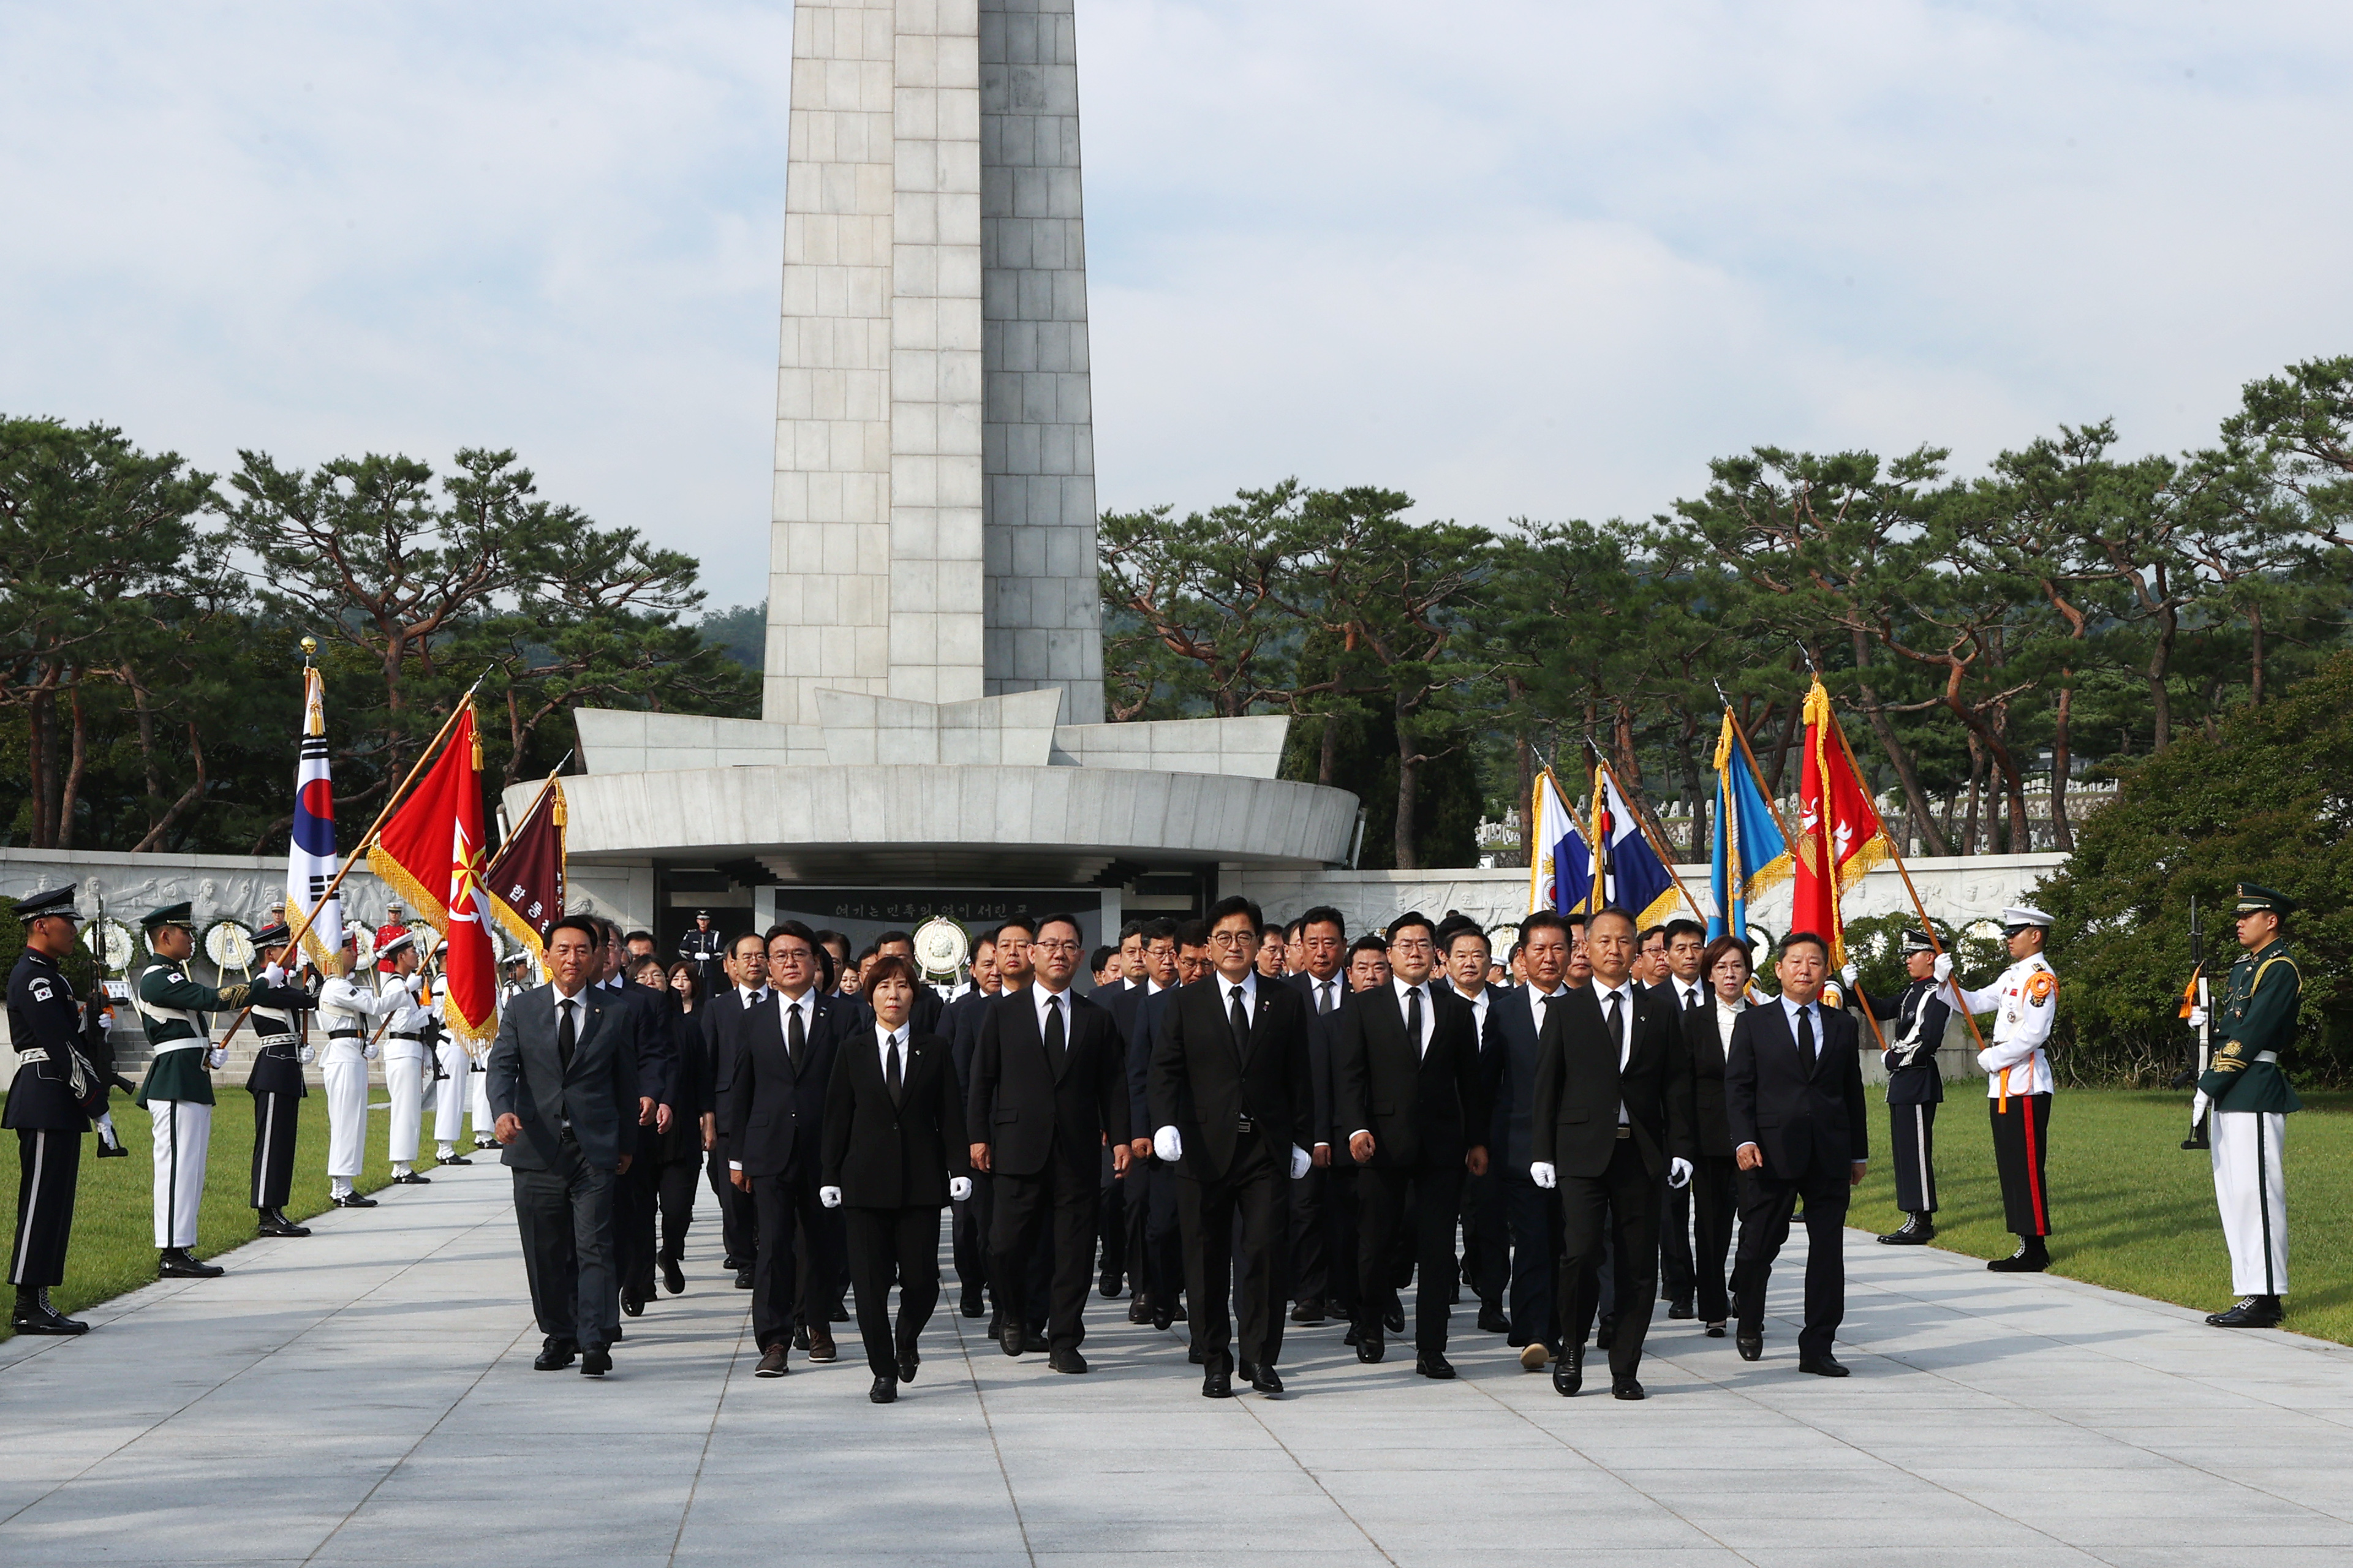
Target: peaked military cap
{"points": [[169, 915], [271, 936], [2017, 917], [1916, 940], [399, 944], [56, 901], [2253, 899]]}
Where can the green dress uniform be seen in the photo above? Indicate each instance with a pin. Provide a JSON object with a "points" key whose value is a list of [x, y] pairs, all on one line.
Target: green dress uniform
{"points": [[2251, 1099]]}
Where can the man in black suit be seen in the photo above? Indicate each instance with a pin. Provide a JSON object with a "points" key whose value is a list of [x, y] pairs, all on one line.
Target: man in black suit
{"points": [[1793, 1099], [968, 1221], [637, 1195], [563, 1089], [775, 1114], [1156, 1246], [1232, 1110], [1515, 1025], [1319, 941], [1406, 1066], [1611, 1129], [1048, 1089], [1681, 942], [727, 1019]]}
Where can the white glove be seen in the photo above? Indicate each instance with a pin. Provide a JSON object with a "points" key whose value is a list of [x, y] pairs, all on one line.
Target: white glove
{"points": [[1944, 966], [2199, 1104], [1302, 1162], [275, 973], [2197, 1017], [368, 1052], [830, 1196], [216, 1058], [1168, 1144], [306, 1053], [414, 985], [106, 1023], [1847, 972], [1678, 1174], [960, 1188], [1544, 1175]]}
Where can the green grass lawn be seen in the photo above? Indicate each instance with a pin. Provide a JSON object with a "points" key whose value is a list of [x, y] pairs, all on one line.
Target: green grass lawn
{"points": [[2131, 1209], [114, 1245]]}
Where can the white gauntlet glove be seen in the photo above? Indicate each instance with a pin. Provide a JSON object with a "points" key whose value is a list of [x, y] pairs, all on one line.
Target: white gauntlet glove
{"points": [[830, 1196], [1302, 1162], [1847, 972], [1543, 1175], [274, 973], [305, 1053], [2197, 1017], [216, 1058], [1944, 966], [1168, 1144], [1678, 1174], [960, 1188], [368, 1051], [2199, 1106]]}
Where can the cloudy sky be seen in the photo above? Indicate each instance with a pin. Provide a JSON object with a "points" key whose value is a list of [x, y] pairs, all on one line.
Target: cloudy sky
{"points": [[1535, 259]]}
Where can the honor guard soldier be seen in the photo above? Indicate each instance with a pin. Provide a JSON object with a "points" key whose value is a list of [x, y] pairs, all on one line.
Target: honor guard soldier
{"points": [[407, 1055], [1915, 1087], [46, 1106], [347, 1009], [705, 948], [178, 1089], [2017, 1064], [2250, 1098], [278, 1089]]}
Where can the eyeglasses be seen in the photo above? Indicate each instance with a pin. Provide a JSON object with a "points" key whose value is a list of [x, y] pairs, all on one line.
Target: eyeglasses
{"points": [[1051, 945], [1231, 938]]}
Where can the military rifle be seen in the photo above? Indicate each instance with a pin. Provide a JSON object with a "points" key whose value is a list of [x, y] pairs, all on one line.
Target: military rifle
{"points": [[2199, 996]]}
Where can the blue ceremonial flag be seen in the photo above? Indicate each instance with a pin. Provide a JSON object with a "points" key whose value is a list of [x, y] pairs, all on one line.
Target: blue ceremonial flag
{"points": [[1750, 855], [1637, 879], [1559, 861]]}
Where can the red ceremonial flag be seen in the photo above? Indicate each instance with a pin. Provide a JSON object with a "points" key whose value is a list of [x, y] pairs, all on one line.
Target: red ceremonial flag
{"points": [[430, 850], [527, 879], [1839, 835]]}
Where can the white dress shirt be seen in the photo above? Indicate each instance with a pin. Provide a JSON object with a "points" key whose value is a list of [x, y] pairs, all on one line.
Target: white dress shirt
{"points": [[1325, 996], [1689, 994], [1429, 1010], [886, 1041], [1042, 998], [1479, 1001], [1601, 994], [749, 997], [1248, 986], [1727, 1015], [1790, 1011]]}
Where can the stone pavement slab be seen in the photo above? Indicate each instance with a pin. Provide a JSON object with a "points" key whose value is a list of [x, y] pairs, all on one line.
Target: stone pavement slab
{"points": [[365, 1395]]}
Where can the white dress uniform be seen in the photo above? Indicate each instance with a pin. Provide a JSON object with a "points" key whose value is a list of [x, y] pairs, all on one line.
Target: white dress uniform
{"points": [[349, 1011], [2025, 1002], [451, 1095], [408, 1063]]}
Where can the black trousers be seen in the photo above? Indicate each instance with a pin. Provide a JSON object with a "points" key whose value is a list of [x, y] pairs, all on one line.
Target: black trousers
{"points": [[968, 1233], [739, 1217], [1486, 1238], [1342, 1224], [1111, 1225], [1616, 1212], [49, 1162], [566, 1217], [1057, 1201], [1714, 1201], [1156, 1236], [1391, 1198], [1533, 1216], [790, 1220], [886, 1247], [637, 1204], [1310, 1257], [1766, 1204], [276, 1121], [1676, 1271], [1912, 1129], [674, 1183], [2021, 1148], [1251, 1192]]}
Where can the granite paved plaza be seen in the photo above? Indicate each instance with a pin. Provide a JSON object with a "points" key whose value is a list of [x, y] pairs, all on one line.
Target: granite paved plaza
{"points": [[366, 1396]]}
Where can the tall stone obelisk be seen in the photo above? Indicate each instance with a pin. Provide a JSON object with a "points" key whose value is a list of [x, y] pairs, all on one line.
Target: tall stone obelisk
{"points": [[934, 515]]}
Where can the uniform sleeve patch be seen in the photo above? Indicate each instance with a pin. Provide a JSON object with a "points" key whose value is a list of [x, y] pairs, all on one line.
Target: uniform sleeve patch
{"points": [[42, 992], [2040, 989]]}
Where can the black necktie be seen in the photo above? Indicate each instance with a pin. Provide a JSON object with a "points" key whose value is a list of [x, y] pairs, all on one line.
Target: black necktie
{"points": [[1413, 1017], [891, 1069], [1054, 1033], [1617, 1024], [795, 1038], [1806, 1033], [1240, 1019], [567, 1037], [1691, 999]]}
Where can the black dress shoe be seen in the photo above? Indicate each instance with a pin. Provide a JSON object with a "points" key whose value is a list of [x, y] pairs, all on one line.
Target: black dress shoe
{"points": [[596, 1362], [554, 1355], [743, 1279], [1716, 1330], [1176, 1313], [731, 1261], [908, 1362], [1217, 1383], [1111, 1286], [1433, 1364], [1264, 1381], [1822, 1365], [1626, 1388], [1370, 1347], [884, 1392], [1752, 1346], [1917, 1230], [974, 1305], [633, 1304], [1014, 1339], [800, 1336], [483, 1145], [616, 1335], [273, 1223], [2253, 1312], [35, 1315], [995, 1324], [1605, 1333], [773, 1362], [1139, 1308], [353, 1201], [674, 1277], [412, 1179], [1568, 1372], [837, 1313], [113, 1152], [1394, 1320], [173, 1263], [2032, 1257], [1069, 1360], [1354, 1335], [1681, 1309], [452, 1159], [1246, 1368], [1493, 1321], [1162, 1316], [1308, 1311]]}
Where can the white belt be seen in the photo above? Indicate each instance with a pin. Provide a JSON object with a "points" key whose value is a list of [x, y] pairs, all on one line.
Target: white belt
{"points": [[168, 1046], [31, 1054]]}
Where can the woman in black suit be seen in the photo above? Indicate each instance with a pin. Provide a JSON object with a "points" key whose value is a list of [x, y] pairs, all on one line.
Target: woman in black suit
{"points": [[681, 1149], [895, 1154], [1715, 1181]]}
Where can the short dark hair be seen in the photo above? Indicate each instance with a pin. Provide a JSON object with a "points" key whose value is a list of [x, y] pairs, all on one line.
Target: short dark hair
{"points": [[1022, 923], [1130, 928], [828, 937], [868, 951], [1682, 925], [1371, 941], [1225, 909], [584, 925], [1575, 920], [987, 939], [644, 936], [1468, 927], [735, 945], [1058, 920], [792, 928], [1543, 919], [1411, 918], [1100, 956], [1799, 938], [1324, 915], [1161, 930], [1193, 933], [888, 937], [1659, 930], [1613, 909], [1722, 945], [637, 966], [889, 964]]}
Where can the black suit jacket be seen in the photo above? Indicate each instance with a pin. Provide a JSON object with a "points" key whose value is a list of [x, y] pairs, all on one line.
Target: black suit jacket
{"points": [[1202, 1083], [598, 1096], [1020, 1103], [1703, 1043], [649, 1023], [1807, 1118], [1423, 1108], [727, 1019], [1573, 1118], [775, 1115], [1508, 1057], [960, 1022], [1143, 1028], [1119, 999], [885, 1154]]}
